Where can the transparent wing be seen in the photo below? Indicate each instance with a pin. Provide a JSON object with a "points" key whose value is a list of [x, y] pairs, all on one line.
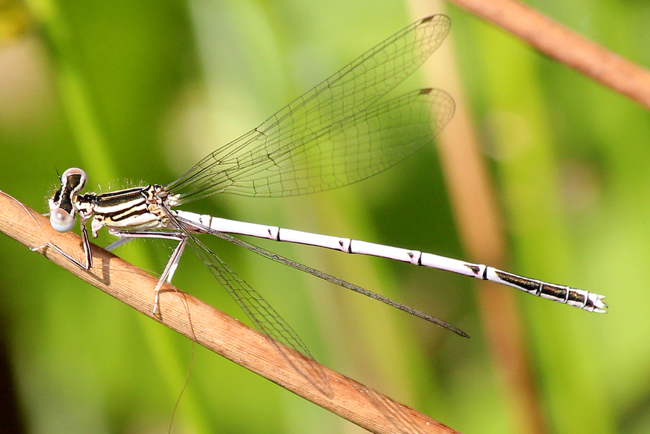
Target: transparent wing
{"points": [[263, 316], [337, 123], [353, 149]]}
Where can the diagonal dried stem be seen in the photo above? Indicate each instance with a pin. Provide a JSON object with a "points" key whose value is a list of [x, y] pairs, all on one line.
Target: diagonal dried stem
{"points": [[562, 44], [210, 327]]}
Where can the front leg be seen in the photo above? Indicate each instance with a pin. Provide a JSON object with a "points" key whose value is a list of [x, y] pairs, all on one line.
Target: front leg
{"points": [[86, 245]]}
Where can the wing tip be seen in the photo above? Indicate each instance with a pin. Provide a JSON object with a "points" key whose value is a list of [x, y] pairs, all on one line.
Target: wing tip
{"points": [[436, 17]]}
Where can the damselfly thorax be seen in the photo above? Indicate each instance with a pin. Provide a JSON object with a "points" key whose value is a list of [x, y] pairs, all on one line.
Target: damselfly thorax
{"points": [[136, 208]]}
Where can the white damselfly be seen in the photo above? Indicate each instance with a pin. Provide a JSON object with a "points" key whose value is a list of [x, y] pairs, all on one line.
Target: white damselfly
{"points": [[338, 133]]}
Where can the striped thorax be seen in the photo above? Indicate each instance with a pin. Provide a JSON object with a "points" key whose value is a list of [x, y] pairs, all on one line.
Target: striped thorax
{"points": [[138, 208]]}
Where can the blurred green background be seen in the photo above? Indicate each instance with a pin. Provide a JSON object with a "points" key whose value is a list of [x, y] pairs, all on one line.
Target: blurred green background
{"points": [[139, 91]]}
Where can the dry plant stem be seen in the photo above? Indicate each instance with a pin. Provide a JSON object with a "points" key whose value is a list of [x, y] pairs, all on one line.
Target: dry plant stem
{"points": [[473, 200], [566, 46], [474, 204], [479, 223], [210, 327], [475, 207]]}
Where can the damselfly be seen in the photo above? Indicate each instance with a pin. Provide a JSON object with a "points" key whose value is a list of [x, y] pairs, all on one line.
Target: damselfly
{"points": [[338, 133]]}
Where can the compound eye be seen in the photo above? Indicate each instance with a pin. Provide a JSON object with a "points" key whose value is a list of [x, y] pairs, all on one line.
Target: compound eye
{"points": [[75, 178], [61, 220]]}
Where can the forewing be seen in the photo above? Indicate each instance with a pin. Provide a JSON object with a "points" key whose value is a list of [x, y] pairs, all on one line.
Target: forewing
{"points": [[351, 150], [328, 107]]}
